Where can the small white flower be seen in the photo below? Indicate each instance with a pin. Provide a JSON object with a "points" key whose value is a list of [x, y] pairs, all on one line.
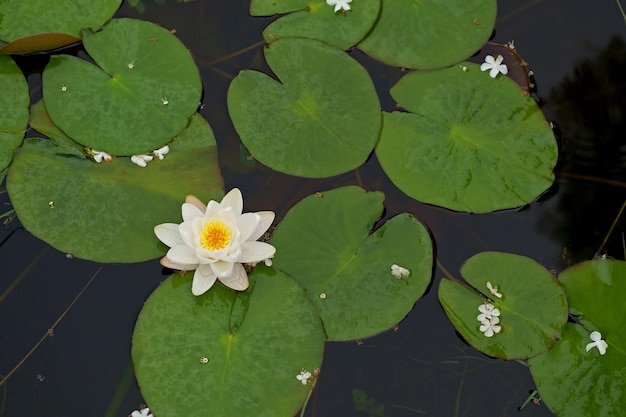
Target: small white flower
{"points": [[144, 412], [161, 152], [304, 376], [141, 160], [399, 272], [165, 101], [323, 295], [597, 341], [100, 156], [495, 66], [490, 327], [131, 65], [487, 312], [215, 240], [64, 88], [339, 4], [493, 290]]}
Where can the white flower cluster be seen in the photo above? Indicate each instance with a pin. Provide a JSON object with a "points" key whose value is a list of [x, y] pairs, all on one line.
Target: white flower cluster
{"points": [[489, 318]]}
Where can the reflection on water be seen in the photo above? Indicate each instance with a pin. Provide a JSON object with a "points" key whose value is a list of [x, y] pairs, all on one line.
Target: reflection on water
{"points": [[422, 368], [589, 107]]}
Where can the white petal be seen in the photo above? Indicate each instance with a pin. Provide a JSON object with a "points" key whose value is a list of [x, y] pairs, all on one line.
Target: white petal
{"points": [[233, 199], [595, 336], [247, 224], [203, 280], [602, 345], [489, 59], [485, 66], [182, 254], [494, 72], [498, 60], [256, 252], [238, 279], [192, 199], [489, 332], [265, 221], [181, 267], [503, 69], [168, 233], [138, 160], [222, 269], [187, 233], [191, 211], [590, 346]]}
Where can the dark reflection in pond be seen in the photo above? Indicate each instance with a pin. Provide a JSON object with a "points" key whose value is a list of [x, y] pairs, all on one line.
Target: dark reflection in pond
{"points": [[589, 106], [422, 368]]}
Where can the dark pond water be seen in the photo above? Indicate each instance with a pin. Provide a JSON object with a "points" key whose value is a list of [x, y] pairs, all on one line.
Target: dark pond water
{"points": [[578, 54]]}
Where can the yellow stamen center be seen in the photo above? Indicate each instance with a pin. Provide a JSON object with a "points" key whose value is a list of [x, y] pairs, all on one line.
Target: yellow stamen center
{"points": [[215, 235]]}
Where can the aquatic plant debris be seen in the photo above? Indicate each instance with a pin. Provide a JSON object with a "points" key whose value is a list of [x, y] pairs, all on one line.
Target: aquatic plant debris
{"points": [[399, 272], [215, 240], [597, 342], [495, 66]]}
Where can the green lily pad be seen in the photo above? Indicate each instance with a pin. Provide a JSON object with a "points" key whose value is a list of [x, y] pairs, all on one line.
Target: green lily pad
{"points": [[321, 119], [533, 306], [325, 243], [316, 20], [14, 101], [137, 97], [41, 25], [470, 142], [255, 343], [572, 381], [106, 212], [40, 121], [429, 34]]}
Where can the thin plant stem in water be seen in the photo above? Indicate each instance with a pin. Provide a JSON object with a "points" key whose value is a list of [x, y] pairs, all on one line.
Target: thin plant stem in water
{"points": [[50, 331], [621, 10], [24, 272], [606, 238], [530, 398]]}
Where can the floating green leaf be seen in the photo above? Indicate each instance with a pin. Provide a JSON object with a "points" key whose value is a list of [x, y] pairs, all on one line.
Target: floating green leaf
{"points": [[321, 119], [255, 343], [316, 20], [40, 25], [135, 100], [533, 306], [470, 142], [106, 212], [14, 101], [41, 122], [571, 381], [429, 33], [324, 243]]}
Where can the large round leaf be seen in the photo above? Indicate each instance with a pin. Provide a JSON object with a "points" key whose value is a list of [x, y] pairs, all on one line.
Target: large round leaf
{"points": [[106, 212], [317, 20], [321, 119], [572, 381], [39, 25], [324, 243], [143, 91], [470, 142], [533, 306], [254, 344], [429, 33], [14, 102]]}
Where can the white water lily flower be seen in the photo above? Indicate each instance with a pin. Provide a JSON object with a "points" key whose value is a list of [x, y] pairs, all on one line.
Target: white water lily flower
{"points": [[339, 4], [161, 152], [141, 160], [304, 376], [597, 341], [493, 290], [399, 272], [495, 66], [487, 312], [216, 240], [144, 412], [490, 327], [100, 156]]}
